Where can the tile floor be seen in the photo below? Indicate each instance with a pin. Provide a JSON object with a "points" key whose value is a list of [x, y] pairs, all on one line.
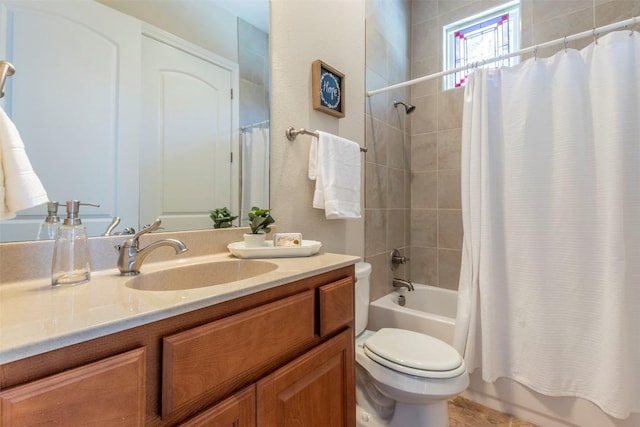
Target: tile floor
{"points": [[465, 413]]}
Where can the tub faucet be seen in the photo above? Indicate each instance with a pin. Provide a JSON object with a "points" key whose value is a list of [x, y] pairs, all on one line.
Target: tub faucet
{"points": [[402, 283], [131, 257]]}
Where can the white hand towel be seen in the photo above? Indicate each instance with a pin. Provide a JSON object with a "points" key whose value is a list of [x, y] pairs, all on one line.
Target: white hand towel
{"points": [[334, 163], [20, 187]]}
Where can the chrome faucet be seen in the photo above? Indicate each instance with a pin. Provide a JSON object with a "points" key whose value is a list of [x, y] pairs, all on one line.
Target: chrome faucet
{"points": [[397, 259], [114, 223], [402, 283], [131, 257]]}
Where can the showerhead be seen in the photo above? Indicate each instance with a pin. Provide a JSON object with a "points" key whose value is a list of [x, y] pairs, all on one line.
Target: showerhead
{"points": [[408, 108]]}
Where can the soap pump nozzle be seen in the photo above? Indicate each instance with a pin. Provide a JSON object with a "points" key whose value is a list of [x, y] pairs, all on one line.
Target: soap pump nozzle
{"points": [[51, 223], [73, 209], [70, 265], [52, 212]]}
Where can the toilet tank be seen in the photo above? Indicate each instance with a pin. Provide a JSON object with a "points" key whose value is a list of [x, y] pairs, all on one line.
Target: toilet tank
{"points": [[363, 272]]}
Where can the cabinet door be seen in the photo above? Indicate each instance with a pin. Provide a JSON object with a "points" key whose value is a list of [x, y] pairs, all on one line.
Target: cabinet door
{"points": [[212, 360], [238, 410], [110, 392], [315, 390]]}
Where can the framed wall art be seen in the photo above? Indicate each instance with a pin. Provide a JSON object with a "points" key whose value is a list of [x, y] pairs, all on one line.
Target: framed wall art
{"points": [[328, 89]]}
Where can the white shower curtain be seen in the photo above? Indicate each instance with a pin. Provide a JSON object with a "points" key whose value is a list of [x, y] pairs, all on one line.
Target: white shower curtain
{"points": [[255, 171], [549, 290]]}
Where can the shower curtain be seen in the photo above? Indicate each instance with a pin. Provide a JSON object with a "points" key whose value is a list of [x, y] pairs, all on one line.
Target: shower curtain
{"points": [[549, 291], [255, 171]]}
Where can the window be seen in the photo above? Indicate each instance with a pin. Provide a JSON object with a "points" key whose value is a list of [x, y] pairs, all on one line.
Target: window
{"points": [[479, 38]]}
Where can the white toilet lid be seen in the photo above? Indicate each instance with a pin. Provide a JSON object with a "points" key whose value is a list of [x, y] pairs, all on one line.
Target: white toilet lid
{"points": [[414, 353]]}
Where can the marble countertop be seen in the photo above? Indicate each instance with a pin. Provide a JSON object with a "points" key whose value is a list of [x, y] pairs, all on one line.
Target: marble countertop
{"points": [[36, 317]]}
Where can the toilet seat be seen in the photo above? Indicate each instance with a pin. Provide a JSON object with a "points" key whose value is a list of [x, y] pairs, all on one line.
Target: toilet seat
{"points": [[414, 353]]}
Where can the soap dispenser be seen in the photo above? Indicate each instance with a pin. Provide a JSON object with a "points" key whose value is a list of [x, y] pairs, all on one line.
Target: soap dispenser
{"points": [[49, 228], [70, 264]]}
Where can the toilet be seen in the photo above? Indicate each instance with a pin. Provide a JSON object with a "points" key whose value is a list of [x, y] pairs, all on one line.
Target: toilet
{"points": [[403, 378]]}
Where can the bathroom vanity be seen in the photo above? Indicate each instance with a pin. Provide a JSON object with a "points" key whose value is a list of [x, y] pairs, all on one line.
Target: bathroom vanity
{"points": [[269, 350]]}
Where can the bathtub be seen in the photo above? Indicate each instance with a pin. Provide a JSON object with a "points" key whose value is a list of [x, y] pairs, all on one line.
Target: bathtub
{"points": [[432, 311], [428, 309]]}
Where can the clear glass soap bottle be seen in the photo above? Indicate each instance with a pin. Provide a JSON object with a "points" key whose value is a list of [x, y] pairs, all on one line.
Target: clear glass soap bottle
{"points": [[49, 227], [71, 256]]}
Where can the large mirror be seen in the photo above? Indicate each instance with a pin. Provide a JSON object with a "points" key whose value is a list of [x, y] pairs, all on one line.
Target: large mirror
{"points": [[150, 108]]}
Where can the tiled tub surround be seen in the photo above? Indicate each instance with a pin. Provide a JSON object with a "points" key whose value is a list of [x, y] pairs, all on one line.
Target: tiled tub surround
{"points": [[413, 185], [431, 192], [436, 123], [35, 317]]}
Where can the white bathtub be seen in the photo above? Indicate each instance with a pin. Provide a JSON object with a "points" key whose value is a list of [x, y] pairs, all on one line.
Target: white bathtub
{"points": [[427, 309], [432, 311]]}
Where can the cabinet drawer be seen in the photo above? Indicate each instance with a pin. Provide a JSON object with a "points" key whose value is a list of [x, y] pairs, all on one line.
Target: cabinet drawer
{"points": [[336, 305], [238, 410], [214, 359], [109, 392]]}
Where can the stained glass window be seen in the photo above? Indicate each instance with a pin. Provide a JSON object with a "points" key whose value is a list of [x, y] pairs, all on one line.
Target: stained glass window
{"points": [[473, 41]]}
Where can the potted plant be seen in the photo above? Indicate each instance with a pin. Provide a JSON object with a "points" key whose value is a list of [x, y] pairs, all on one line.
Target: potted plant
{"points": [[259, 221], [221, 217]]}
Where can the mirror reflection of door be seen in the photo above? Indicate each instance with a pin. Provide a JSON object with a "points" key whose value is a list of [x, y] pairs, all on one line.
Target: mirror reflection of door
{"points": [[76, 98], [76, 108], [187, 139]]}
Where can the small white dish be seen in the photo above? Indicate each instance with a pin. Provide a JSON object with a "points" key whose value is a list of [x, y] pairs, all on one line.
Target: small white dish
{"points": [[307, 248]]}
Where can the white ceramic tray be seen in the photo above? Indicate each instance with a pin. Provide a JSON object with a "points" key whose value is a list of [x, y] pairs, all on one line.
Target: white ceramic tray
{"points": [[308, 248]]}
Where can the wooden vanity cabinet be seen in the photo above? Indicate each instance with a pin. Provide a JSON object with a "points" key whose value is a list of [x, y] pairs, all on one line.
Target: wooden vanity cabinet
{"points": [[107, 392], [279, 356], [211, 360], [238, 410], [315, 390]]}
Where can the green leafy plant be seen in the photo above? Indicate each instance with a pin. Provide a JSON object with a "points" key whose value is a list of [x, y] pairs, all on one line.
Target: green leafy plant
{"points": [[222, 217], [260, 220]]}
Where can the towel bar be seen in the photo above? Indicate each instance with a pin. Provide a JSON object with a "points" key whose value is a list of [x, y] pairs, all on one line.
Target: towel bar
{"points": [[291, 134], [6, 70]]}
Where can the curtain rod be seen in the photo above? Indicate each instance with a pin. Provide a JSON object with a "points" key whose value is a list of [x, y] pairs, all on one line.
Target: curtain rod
{"points": [[253, 125], [595, 32]]}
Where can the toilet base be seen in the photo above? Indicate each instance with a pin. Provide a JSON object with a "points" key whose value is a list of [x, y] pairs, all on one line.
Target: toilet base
{"points": [[366, 418], [434, 414]]}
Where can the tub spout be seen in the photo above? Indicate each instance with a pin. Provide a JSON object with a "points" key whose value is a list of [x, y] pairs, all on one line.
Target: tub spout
{"points": [[402, 283]]}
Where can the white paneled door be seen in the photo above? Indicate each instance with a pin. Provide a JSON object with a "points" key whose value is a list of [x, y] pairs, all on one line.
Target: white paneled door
{"points": [[187, 141]]}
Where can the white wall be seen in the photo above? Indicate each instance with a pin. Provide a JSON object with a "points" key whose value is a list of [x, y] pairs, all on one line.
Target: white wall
{"points": [[301, 32], [202, 23]]}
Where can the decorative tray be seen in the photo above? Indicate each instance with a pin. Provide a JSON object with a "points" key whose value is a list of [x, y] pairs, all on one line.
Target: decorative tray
{"points": [[308, 248]]}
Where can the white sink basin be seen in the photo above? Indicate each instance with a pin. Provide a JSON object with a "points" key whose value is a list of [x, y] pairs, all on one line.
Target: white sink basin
{"points": [[199, 275]]}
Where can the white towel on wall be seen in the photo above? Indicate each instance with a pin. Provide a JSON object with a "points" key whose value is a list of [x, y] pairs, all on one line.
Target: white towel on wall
{"points": [[20, 187], [334, 163]]}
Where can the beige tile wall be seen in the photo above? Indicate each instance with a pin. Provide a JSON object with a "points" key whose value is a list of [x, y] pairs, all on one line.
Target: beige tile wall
{"points": [[436, 124], [427, 207], [388, 161]]}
